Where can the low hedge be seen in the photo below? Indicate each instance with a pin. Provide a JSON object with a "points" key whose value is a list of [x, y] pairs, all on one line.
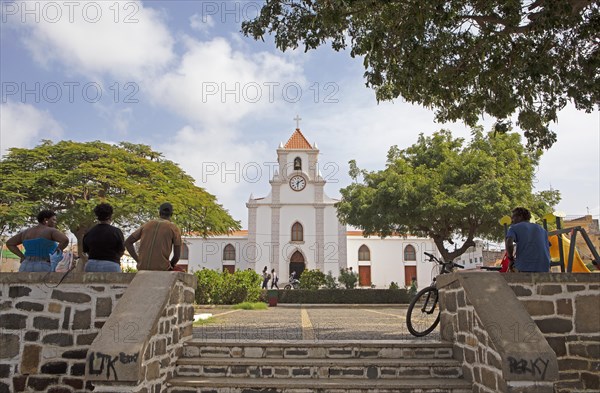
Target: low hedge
{"points": [[343, 296]]}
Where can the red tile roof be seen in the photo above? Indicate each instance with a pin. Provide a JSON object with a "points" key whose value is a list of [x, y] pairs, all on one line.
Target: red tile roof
{"points": [[240, 233], [297, 141], [361, 233], [243, 232]]}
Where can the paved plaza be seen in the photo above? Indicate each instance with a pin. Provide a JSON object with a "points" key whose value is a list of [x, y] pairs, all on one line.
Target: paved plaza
{"points": [[318, 323]]}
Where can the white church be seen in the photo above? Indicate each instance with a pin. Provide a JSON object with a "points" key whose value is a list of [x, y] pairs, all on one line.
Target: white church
{"points": [[296, 227]]}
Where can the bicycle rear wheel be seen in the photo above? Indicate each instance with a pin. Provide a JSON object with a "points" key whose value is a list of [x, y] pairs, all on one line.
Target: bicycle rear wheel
{"points": [[423, 314]]}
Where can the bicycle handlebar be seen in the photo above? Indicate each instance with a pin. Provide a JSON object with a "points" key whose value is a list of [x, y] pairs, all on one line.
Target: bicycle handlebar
{"points": [[491, 268], [433, 258]]}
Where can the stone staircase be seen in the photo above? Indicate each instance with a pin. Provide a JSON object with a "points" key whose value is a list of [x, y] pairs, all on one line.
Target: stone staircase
{"points": [[317, 366]]}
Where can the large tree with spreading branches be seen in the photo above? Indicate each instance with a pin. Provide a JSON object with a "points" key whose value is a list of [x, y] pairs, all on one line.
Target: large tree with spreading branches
{"points": [[463, 58], [446, 189], [71, 178]]}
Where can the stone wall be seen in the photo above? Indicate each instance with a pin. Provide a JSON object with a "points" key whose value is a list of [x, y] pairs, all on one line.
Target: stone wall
{"points": [[46, 328], [157, 313], [101, 332], [497, 346], [566, 308]]}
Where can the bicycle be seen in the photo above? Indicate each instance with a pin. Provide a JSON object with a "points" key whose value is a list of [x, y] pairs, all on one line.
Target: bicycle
{"points": [[423, 314], [293, 284]]}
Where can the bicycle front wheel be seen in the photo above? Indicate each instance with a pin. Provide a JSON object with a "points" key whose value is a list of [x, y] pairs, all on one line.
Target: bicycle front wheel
{"points": [[423, 314]]}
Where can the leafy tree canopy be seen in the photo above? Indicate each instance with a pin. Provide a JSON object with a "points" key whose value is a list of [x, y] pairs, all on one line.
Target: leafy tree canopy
{"points": [[464, 58], [71, 178], [443, 188]]}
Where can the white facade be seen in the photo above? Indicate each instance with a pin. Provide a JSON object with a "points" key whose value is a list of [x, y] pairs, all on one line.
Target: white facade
{"points": [[295, 227], [391, 261], [473, 257]]}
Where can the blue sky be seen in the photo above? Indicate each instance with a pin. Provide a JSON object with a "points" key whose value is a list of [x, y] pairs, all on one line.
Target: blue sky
{"points": [[179, 76]]}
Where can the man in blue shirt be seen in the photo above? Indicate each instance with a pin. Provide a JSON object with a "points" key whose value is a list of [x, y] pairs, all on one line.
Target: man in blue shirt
{"points": [[533, 248]]}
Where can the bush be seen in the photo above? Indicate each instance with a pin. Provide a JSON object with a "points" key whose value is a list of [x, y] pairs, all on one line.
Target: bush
{"points": [[394, 285], [312, 279], [348, 279], [250, 280], [226, 288], [129, 269], [208, 283], [330, 281], [344, 296]]}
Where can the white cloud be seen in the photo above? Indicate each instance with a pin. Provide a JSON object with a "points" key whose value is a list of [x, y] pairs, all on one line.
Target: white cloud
{"points": [[22, 125], [572, 165], [216, 85], [220, 163], [122, 39], [201, 23]]}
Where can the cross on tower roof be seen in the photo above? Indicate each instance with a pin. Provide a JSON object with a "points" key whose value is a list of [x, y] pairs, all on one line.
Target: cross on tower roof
{"points": [[297, 118]]}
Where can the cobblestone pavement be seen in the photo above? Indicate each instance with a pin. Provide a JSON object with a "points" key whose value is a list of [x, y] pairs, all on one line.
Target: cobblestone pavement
{"points": [[308, 323]]}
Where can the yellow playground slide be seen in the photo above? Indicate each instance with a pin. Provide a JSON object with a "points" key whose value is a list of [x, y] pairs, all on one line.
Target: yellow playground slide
{"points": [[578, 265]]}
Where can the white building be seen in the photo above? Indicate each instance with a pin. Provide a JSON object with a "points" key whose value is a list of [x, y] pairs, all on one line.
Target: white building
{"points": [[295, 227]]}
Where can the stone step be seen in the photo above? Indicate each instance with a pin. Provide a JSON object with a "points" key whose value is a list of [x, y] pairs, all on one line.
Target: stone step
{"points": [[276, 385], [318, 368], [304, 349]]}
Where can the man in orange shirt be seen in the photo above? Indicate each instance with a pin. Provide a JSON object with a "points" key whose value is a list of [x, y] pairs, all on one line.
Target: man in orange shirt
{"points": [[158, 238]]}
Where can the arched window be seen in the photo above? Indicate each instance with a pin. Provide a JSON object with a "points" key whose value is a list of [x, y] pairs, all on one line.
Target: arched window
{"points": [[409, 253], [297, 164], [297, 232], [364, 254], [185, 252], [229, 253]]}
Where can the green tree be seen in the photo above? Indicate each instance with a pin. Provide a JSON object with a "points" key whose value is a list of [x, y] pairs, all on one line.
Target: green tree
{"points": [[462, 58], [71, 178], [443, 188]]}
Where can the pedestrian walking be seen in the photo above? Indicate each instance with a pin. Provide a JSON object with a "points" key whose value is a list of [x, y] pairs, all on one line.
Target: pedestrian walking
{"points": [[274, 279], [266, 277]]}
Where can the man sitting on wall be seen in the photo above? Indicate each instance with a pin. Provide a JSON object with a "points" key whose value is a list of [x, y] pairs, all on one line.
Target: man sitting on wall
{"points": [[533, 249], [158, 238]]}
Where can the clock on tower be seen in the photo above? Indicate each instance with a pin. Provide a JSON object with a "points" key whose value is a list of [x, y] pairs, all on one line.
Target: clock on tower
{"points": [[297, 183]]}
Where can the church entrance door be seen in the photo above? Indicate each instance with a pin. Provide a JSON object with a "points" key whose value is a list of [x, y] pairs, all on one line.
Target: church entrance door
{"points": [[297, 263], [410, 274], [364, 276]]}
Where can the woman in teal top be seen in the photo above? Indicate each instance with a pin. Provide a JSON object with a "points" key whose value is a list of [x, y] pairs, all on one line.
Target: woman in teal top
{"points": [[39, 242]]}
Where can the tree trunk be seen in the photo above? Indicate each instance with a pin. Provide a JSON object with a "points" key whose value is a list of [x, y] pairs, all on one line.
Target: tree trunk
{"points": [[450, 256]]}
